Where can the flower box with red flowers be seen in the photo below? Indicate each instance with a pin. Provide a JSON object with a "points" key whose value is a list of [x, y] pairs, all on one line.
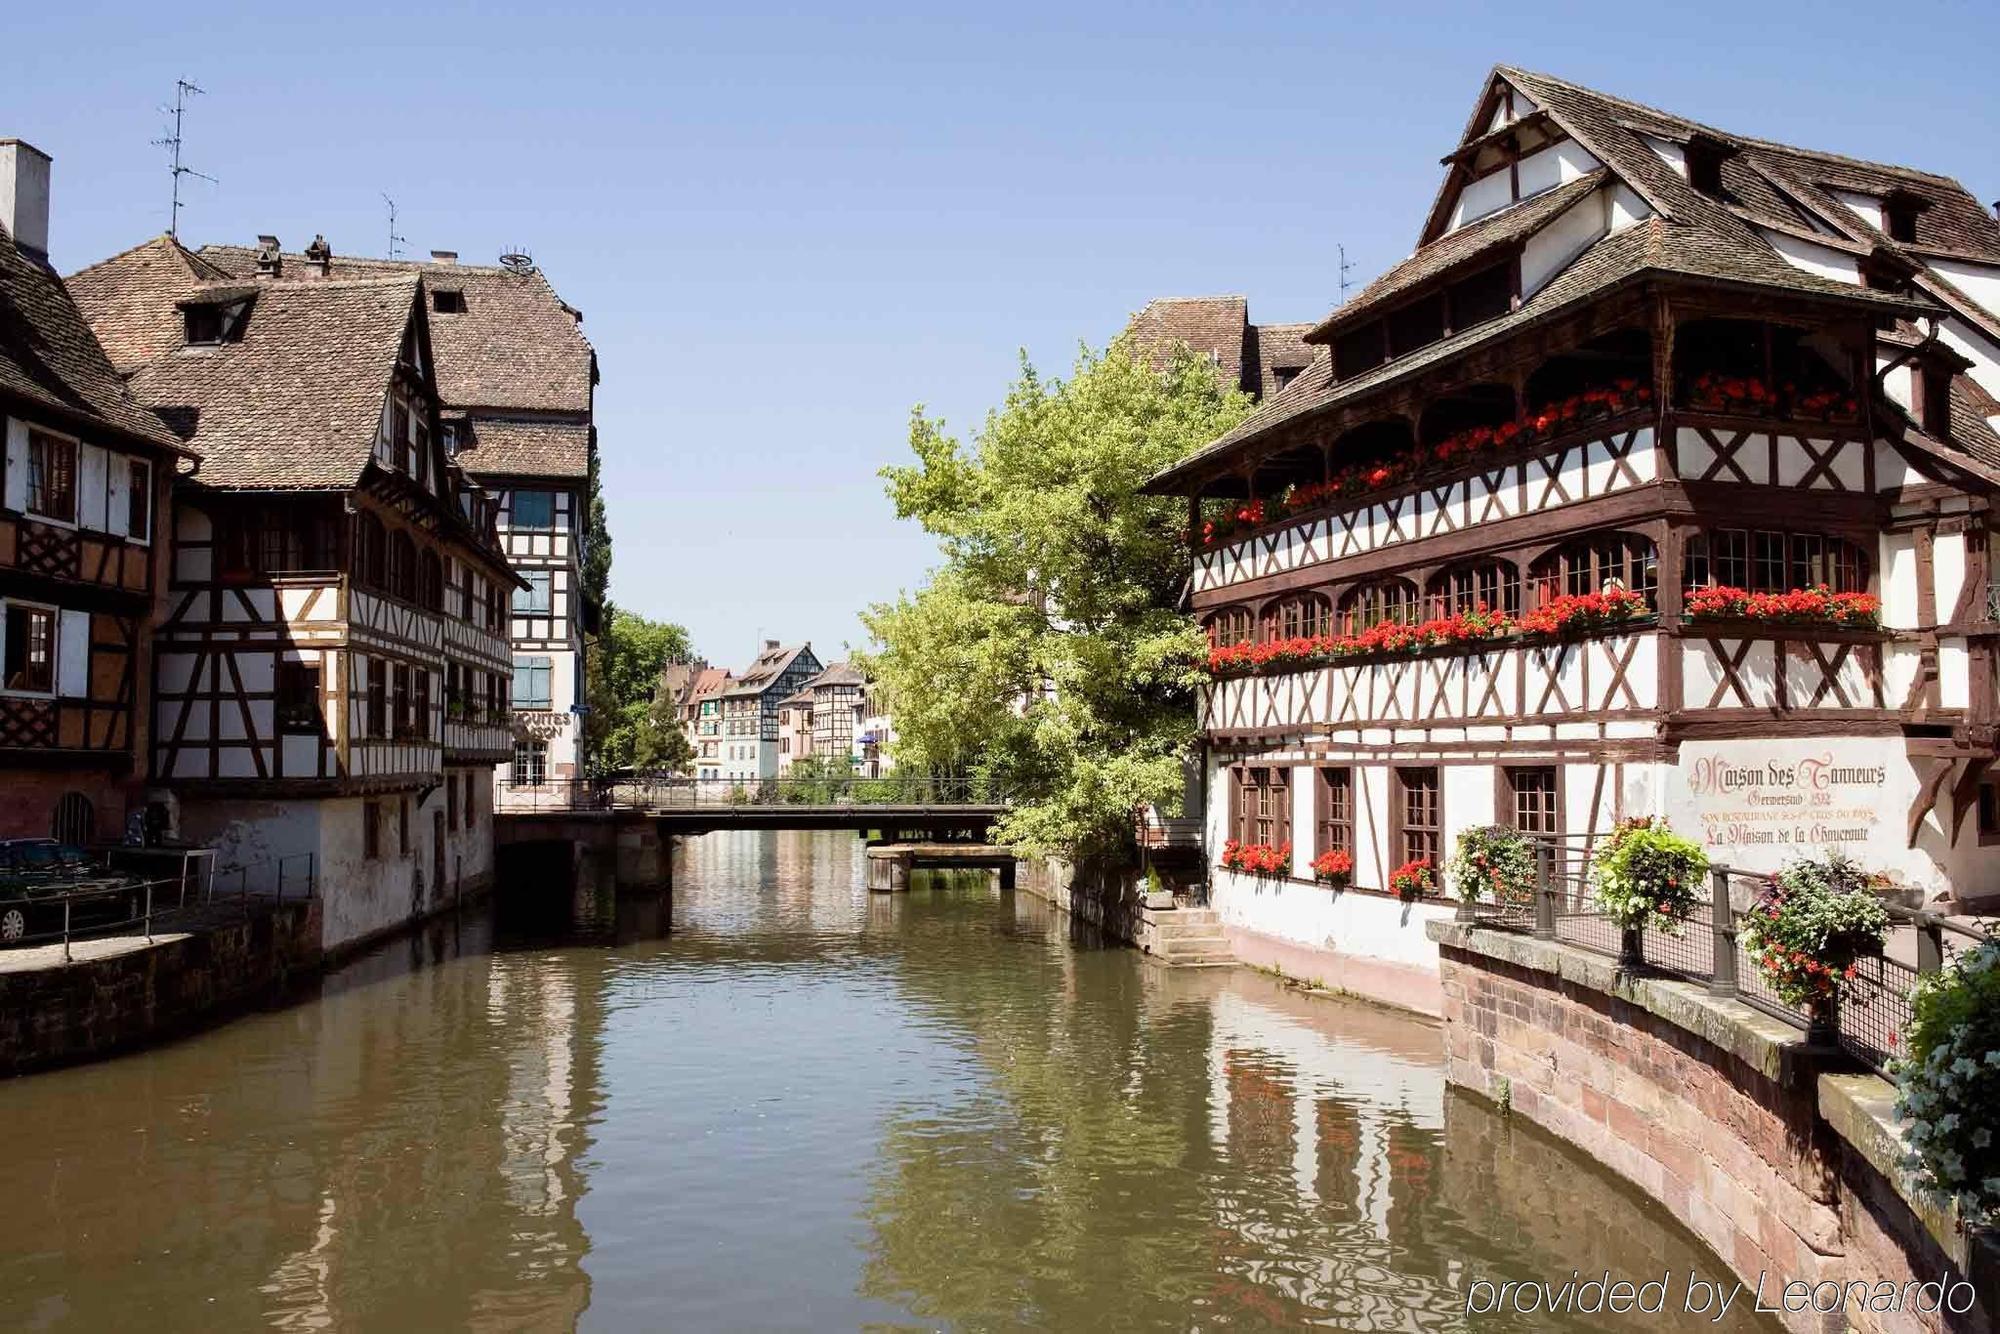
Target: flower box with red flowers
{"points": [[1818, 605], [1577, 613], [1334, 868], [1258, 859], [1413, 880]]}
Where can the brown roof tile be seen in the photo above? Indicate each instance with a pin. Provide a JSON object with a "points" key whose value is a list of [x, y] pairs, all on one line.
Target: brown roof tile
{"points": [[297, 403], [130, 299], [1251, 357], [520, 447], [49, 356], [517, 345]]}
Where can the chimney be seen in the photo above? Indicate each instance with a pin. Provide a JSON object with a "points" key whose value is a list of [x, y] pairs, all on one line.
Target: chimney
{"points": [[270, 257], [444, 257], [24, 196], [319, 254], [770, 646]]}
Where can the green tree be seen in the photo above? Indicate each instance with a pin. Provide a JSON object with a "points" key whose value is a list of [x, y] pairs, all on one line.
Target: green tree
{"points": [[1046, 654], [660, 743], [624, 674]]}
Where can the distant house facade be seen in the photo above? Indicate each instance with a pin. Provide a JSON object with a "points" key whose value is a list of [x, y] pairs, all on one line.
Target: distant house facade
{"points": [[83, 546], [749, 707], [331, 661], [517, 384]]}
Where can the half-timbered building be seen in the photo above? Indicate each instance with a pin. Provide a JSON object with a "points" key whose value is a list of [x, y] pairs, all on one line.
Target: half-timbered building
{"points": [[517, 383], [82, 544], [1657, 481], [330, 680], [749, 706]]}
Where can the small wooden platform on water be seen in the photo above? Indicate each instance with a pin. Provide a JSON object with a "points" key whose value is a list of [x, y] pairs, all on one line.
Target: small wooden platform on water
{"points": [[890, 864]]}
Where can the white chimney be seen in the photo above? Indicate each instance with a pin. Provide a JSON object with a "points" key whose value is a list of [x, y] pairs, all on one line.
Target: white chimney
{"points": [[24, 196], [444, 257]]}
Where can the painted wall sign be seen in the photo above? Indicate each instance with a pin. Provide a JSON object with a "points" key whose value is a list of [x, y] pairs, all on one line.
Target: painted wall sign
{"points": [[1756, 804]]}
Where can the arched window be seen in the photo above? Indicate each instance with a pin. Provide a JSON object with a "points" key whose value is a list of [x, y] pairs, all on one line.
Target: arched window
{"points": [[433, 582], [370, 561], [75, 820], [403, 567], [1488, 585], [1377, 601], [1766, 561], [1592, 564], [1305, 615], [1231, 625]]}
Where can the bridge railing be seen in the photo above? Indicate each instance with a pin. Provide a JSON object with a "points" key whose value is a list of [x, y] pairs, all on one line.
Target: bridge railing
{"points": [[660, 792]]}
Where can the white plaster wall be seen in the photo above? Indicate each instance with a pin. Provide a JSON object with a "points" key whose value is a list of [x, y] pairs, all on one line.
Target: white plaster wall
{"points": [[1305, 813], [1947, 573], [1549, 167], [1363, 925], [1981, 282], [1549, 251], [1627, 207], [1824, 261], [1867, 207], [1900, 606], [1372, 862], [1668, 152], [362, 896], [1468, 803], [1982, 351], [1481, 197]]}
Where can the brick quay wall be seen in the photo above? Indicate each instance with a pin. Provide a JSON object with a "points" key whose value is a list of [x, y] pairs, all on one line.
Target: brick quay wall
{"points": [[1783, 1159]]}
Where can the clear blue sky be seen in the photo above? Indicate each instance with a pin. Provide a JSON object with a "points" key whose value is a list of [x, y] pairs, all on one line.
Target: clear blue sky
{"points": [[786, 226]]}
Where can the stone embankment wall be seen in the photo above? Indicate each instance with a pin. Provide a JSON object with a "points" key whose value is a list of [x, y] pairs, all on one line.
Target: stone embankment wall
{"points": [[1103, 896], [61, 1014], [1781, 1158]]}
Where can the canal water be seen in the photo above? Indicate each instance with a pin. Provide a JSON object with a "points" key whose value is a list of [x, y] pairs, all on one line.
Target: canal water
{"points": [[806, 1108]]}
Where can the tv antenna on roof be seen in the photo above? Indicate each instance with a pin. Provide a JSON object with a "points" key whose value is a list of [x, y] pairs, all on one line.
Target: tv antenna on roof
{"points": [[395, 241], [1344, 268], [183, 88]]}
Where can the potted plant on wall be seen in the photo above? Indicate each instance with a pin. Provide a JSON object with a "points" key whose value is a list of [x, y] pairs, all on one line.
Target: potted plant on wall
{"points": [[1493, 860], [1646, 874], [1413, 879], [1948, 1082], [1811, 925], [1334, 868]]}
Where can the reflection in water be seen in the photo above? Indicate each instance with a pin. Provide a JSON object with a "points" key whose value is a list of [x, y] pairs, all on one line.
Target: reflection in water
{"points": [[810, 1108]]}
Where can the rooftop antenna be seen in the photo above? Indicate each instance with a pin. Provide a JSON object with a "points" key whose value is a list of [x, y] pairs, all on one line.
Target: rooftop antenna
{"points": [[183, 88], [395, 241], [1344, 268]]}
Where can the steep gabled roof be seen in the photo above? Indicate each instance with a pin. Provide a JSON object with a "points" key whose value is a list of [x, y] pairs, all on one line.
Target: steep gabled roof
{"points": [[1251, 357], [49, 356], [1688, 234], [297, 402], [760, 675], [517, 345]]}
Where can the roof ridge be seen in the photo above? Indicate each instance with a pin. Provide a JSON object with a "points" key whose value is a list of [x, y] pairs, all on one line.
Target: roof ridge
{"points": [[1748, 140]]}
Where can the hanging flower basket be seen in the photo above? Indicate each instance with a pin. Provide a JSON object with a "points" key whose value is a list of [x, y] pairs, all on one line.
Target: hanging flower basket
{"points": [[1647, 875], [1810, 926], [1493, 862]]}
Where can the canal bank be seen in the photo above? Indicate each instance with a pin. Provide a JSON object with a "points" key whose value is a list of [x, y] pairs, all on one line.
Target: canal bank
{"points": [[806, 1106]]}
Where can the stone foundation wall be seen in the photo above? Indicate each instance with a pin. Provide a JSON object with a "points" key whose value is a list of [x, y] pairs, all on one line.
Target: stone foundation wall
{"points": [[1713, 1109], [92, 1008], [1106, 897]]}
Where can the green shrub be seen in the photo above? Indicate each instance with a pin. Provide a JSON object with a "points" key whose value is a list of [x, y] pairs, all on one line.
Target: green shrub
{"points": [[1948, 1081], [1816, 918]]}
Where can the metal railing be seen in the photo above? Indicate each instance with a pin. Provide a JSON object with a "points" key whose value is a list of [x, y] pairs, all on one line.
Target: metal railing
{"points": [[647, 792], [1868, 1022], [104, 905]]}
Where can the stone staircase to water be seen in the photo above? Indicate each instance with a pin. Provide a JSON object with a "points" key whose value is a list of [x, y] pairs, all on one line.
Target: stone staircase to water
{"points": [[1185, 938]]}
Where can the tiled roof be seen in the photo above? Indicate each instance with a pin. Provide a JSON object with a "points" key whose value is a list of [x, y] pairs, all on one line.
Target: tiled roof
{"points": [[516, 345], [1689, 235], [297, 403], [1494, 232], [1246, 355], [49, 356], [769, 666], [838, 674], [709, 681], [520, 447], [130, 299]]}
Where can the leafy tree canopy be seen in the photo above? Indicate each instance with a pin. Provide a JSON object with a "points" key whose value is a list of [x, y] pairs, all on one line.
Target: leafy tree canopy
{"points": [[1045, 654], [624, 672]]}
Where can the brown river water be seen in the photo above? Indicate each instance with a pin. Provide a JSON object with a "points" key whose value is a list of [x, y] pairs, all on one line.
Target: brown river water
{"points": [[805, 1108]]}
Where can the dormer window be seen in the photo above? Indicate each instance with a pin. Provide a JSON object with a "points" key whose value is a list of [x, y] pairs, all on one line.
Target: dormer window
{"points": [[447, 302], [1705, 157], [207, 323], [204, 325], [1899, 214], [1934, 400]]}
